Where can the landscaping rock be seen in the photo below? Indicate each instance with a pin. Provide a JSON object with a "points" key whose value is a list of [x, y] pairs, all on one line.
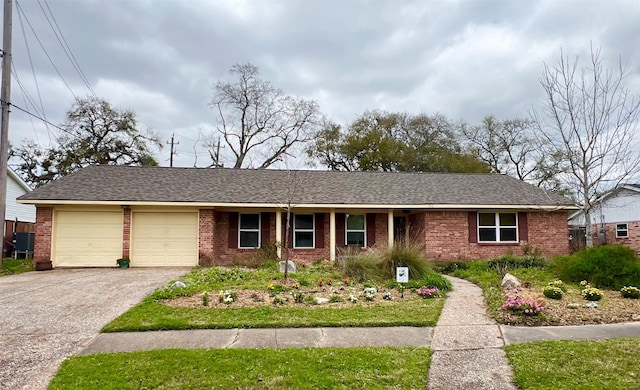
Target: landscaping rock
{"points": [[591, 305], [510, 281], [321, 301], [178, 284], [291, 266], [635, 317]]}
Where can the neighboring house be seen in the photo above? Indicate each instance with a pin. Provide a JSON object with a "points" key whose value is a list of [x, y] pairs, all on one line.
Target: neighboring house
{"points": [[615, 217], [18, 217], [187, 216]]}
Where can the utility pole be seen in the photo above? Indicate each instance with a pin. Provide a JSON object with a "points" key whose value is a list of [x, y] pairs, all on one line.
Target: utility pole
{"points": [[172, 143], [5, 96]]}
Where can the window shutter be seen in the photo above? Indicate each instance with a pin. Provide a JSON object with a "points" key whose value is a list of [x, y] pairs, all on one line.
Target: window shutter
{"points": [[319, 230], [233, 230], [265, 233], [340, 230], [371, 230], [473, 226], [523, 226]]}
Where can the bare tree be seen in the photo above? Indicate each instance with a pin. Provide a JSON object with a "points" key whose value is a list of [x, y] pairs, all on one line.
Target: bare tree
{"points": [[259, 124], [510, 147], [591, 120]]}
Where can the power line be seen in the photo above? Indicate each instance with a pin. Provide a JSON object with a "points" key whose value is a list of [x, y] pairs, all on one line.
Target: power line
{"points": [[29, 100], [33, 71], [45, 50], [65, 46], [38, 117]]}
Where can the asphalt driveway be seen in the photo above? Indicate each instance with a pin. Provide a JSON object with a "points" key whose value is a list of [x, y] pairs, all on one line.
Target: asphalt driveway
{"points": [[48, 316]]}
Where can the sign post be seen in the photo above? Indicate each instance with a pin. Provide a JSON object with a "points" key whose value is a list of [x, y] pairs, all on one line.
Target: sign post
{"points": [[402, 276]]}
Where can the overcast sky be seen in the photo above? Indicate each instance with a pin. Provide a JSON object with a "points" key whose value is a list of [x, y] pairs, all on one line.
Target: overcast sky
{"points": [[161, 58]]}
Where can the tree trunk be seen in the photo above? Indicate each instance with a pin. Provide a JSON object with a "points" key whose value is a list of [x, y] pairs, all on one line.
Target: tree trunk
{"points": [[286, 244], [588, 228]]}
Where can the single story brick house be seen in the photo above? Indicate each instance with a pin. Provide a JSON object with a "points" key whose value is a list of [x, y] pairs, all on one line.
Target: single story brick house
{"points": [[160, 216]]}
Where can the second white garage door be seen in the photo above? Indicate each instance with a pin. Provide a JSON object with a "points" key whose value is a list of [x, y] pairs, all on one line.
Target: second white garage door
{"points": [[164, 239]]}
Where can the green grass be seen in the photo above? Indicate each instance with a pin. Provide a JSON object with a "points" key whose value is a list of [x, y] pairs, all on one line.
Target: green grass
{"points": [[155, 316], [309, 368], [15, 266], [586, 365]]}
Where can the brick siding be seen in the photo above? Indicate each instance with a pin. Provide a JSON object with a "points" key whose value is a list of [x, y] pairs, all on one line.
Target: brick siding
{"points": [[126, 233], [446, 236], [42, 244], [632, 240]]}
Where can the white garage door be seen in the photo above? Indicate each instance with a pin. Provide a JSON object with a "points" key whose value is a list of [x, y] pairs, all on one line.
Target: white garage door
{"points": [[164, 239], [87, 238]]}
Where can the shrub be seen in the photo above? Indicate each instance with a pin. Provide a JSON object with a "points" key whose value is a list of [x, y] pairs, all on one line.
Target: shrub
{"points": [[630, 292], [590, 293], [512, 262], [336, 299], [431, 279], [227, 297], [370, 293], [361, 267], [553, 292], [403, 255], [608, 266], [448, 268], [559, 284]]}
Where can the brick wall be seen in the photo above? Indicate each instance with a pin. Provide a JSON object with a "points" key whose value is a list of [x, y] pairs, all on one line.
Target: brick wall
{"points": [[446, 235], [206, 241], [42, 244], [549, 231], [632, 240], [382, 236], [126, 232]]}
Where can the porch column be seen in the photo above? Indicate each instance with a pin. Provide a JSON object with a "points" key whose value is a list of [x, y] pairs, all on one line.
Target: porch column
{"points": [[390, 228], [332, 235], [279, 232]]}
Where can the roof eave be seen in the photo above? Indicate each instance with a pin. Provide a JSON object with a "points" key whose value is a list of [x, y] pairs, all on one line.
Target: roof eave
{"points": [[306, 205]]}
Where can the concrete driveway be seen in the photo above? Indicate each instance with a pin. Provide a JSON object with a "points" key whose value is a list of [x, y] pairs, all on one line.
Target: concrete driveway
{"points": [[48, 316]]}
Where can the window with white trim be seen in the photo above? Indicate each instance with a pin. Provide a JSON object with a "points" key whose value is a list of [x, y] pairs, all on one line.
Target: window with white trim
{"points": [[497, 227], [356, 229], [622, 230], [249, 231], [303, 230]]}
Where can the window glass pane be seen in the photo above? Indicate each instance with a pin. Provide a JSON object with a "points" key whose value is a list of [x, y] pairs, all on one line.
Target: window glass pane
{"points": [[621, 226], [507, 219], [487, 234], [486, 219], [355, 222], [304, 222], [355, 238], [622, 233], [249, 221], [507, 234], [303, 240], [248, 239]]}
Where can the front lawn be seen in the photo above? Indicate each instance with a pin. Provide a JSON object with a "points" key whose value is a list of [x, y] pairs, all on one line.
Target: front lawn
{"points": [[12, 266], [586, 365], [217, 298], [308, 368]]}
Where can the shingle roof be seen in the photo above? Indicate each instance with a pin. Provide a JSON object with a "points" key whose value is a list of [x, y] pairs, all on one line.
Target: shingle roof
{"points": [[205, 185]]}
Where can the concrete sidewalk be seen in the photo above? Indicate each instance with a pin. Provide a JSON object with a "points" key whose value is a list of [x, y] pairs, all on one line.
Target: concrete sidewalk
{"points": [[401, 336], [468, 345], [525, 334]]}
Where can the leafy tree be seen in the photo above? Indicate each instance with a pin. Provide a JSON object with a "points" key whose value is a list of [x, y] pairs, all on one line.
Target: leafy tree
{"points": [[94, 133], [511, 147], [591, 120], [257, 122], [382, 141]]}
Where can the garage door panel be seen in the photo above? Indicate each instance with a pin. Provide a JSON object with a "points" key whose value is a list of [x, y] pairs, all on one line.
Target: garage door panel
{"points": [[164, 239], [87, 238]]}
